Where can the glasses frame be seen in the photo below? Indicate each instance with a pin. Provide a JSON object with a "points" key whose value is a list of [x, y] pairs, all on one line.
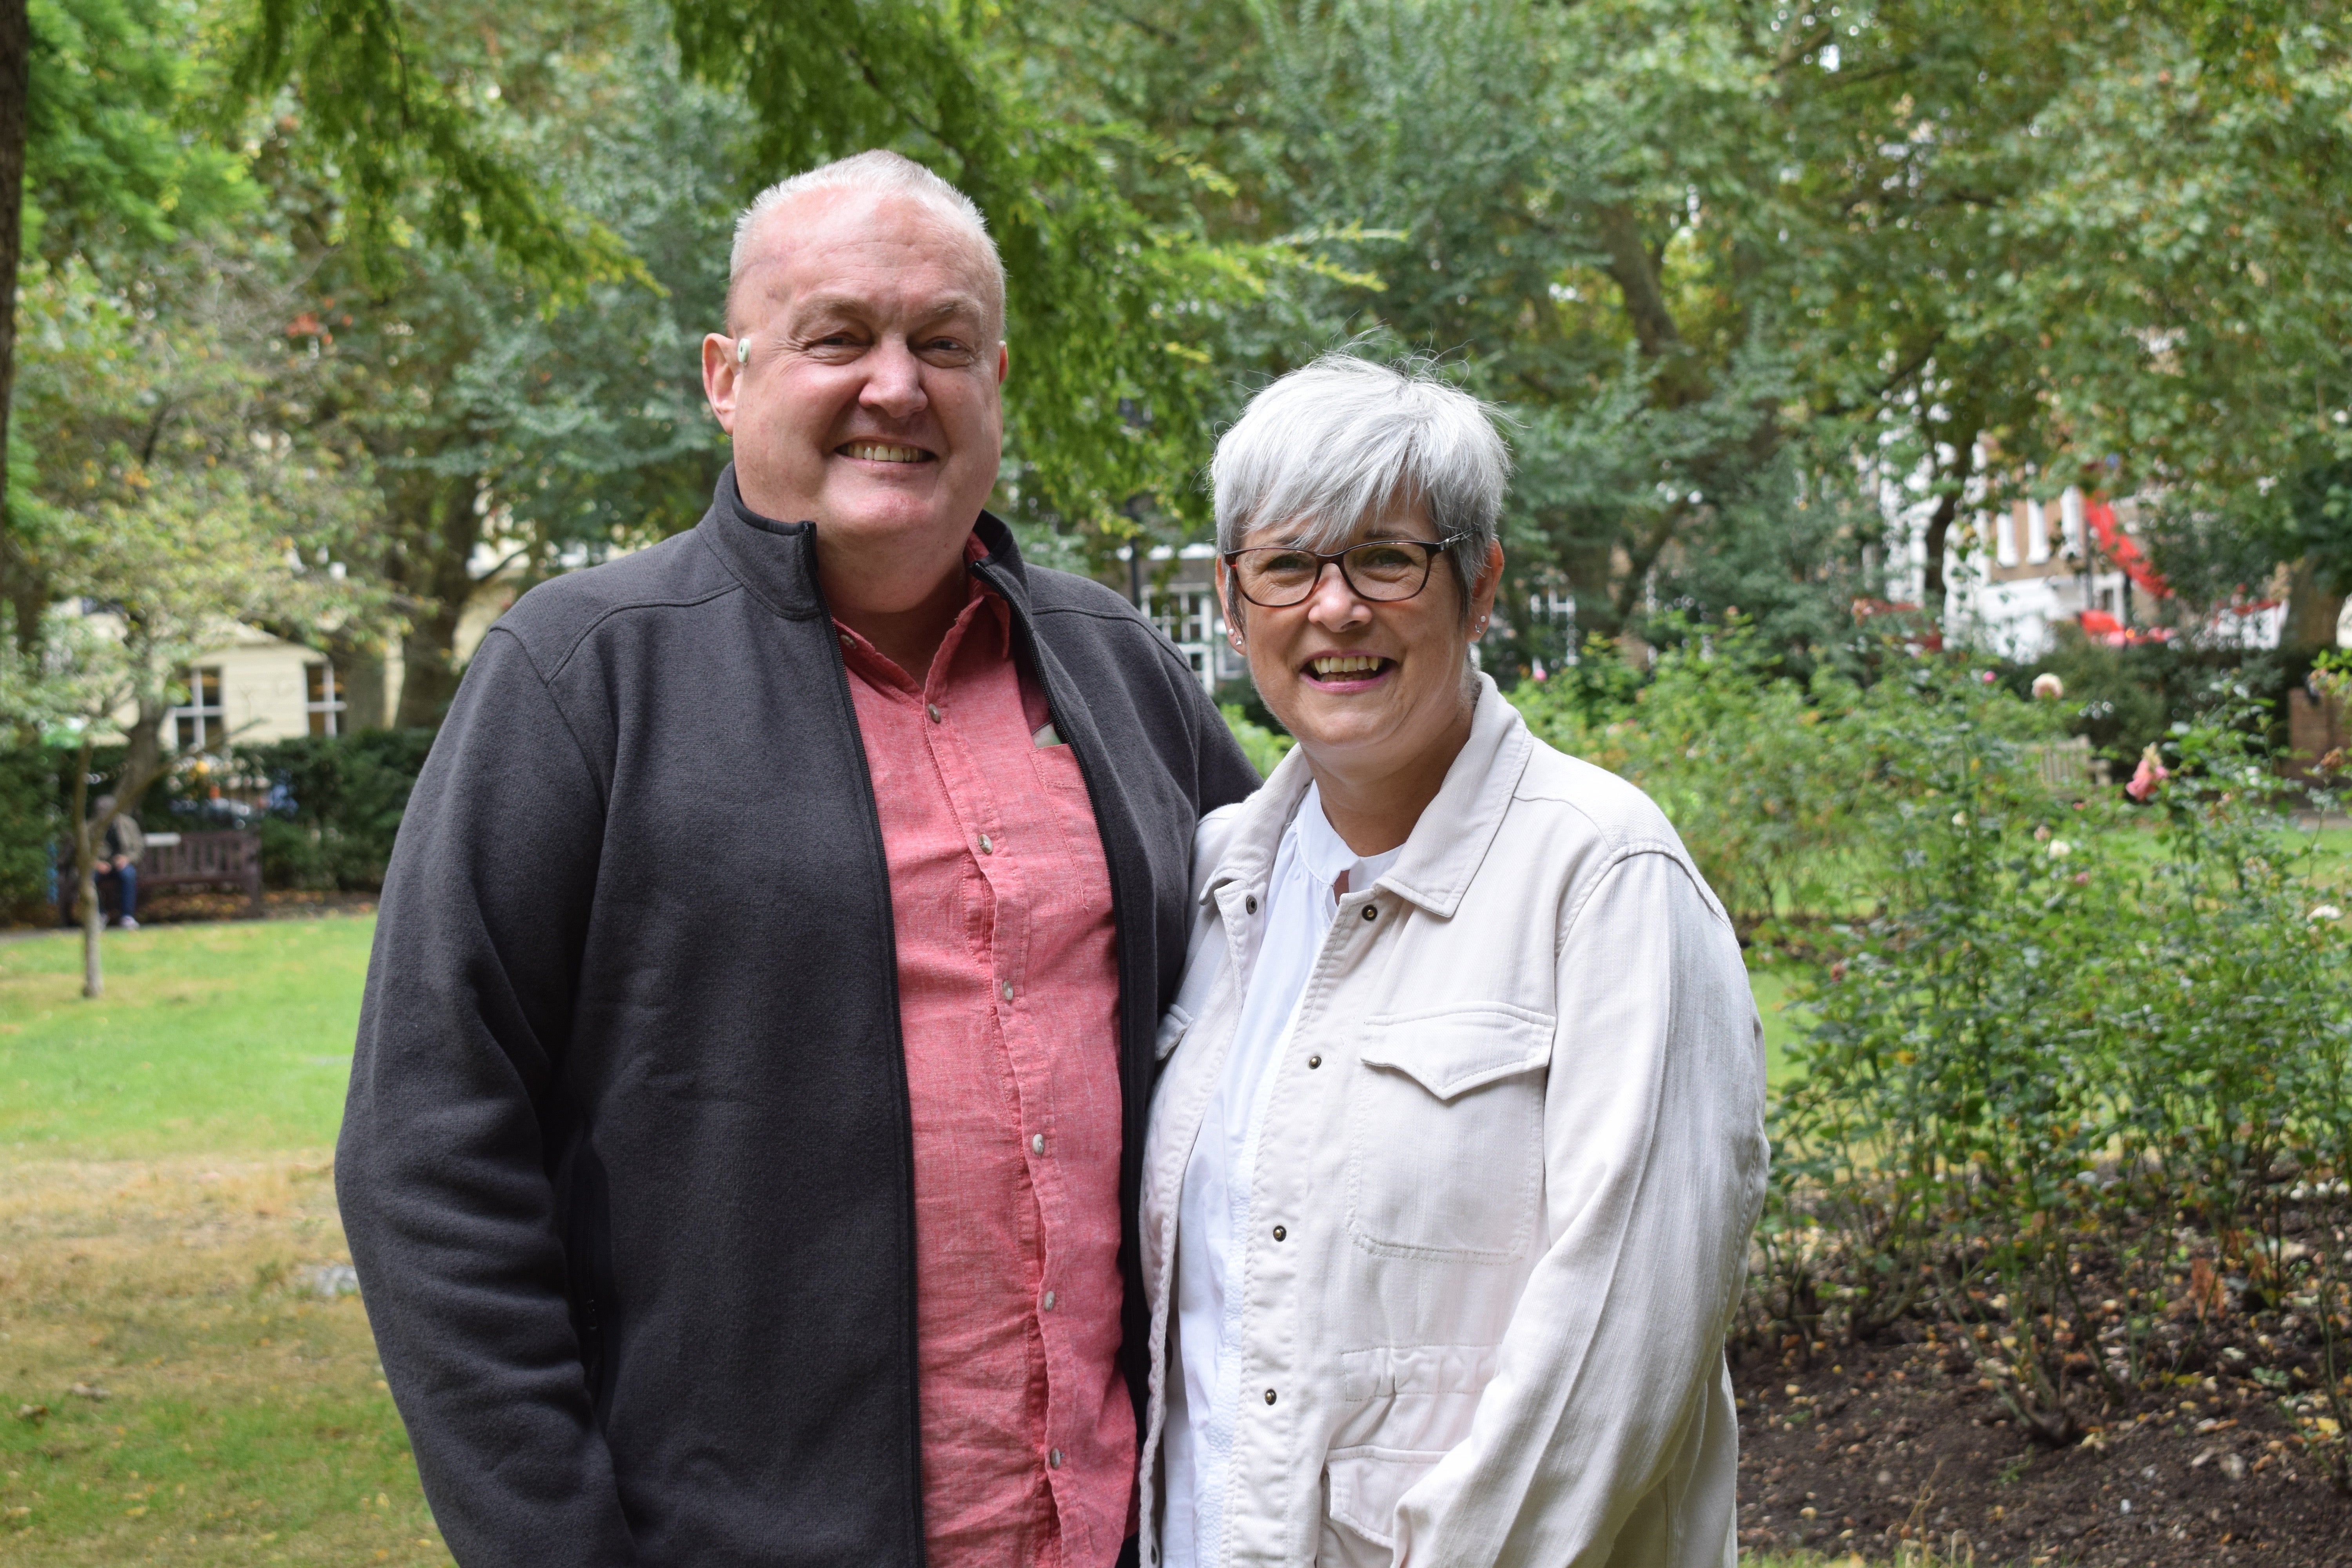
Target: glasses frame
{"points": [[1436, 548]]}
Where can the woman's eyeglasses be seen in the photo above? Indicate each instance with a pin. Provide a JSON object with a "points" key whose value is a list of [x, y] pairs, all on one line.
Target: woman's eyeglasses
{"points": [[1275, 576]]}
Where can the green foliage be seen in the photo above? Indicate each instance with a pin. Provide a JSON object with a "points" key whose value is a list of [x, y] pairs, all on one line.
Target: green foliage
{"points": [[1789, 794], [335, 804], [1264, 748], [107, 164], [2126, 698], [410, 146], [2066, 1027], [31, 827]]}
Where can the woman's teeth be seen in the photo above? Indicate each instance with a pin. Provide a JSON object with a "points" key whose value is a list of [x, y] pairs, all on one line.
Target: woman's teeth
{"points": [[878, 452], [1346, 664]]}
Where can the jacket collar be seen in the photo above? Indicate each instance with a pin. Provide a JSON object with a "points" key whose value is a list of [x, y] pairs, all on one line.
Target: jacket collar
{"points": [[1447, 845], [777, 561]]}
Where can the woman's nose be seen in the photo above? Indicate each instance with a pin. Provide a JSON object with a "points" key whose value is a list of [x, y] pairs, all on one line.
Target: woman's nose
{"points": [[1333, 602]]}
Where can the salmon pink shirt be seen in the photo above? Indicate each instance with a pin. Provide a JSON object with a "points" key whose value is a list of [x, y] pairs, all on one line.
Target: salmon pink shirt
{"points": [[1008, 996]]}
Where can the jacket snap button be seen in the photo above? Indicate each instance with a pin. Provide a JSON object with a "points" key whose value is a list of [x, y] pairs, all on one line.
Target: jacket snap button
{"points": [[1269, 1396], [1279, 1233], [1249, 905], [1314, 1061], [1371, 913]]}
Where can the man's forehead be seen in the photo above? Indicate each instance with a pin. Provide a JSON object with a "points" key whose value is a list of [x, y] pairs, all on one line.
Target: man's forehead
{"points": [[855, 253]]}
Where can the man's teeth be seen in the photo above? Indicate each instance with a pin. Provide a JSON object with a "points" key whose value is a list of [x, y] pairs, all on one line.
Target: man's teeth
{"points": [[881, 452], [1346, 664]]}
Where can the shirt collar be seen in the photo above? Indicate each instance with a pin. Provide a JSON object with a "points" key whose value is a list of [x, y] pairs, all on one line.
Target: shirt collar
{"points": [[1449, 842], [981, 593]]}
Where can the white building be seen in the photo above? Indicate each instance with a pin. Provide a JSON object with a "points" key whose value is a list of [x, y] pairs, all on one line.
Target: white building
{"points": [[2025, 569]]}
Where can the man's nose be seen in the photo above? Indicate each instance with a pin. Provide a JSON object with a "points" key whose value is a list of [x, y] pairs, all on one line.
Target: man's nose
{"points": [[893, 383]]}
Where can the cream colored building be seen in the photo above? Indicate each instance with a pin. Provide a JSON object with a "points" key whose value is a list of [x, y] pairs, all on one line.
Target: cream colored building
{"points": [[255, 689]]}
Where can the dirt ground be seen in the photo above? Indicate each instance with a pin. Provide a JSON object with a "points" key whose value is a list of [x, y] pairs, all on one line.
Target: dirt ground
{"points": [[1842, 1456]]}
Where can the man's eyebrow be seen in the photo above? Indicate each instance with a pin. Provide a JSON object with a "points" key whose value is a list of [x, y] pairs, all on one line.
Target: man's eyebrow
{"points": [[826, 303]]}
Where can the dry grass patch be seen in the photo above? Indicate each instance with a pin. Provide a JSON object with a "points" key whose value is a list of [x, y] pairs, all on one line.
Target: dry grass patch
{"points": [[177, 1387]]}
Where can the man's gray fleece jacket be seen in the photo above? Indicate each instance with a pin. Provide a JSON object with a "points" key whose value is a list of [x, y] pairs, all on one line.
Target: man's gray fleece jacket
{"points": [[627, 1164]]}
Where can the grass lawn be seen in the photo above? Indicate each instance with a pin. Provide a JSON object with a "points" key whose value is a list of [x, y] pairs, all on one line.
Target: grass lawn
{"points": [[175, 1389], [210, 1039]]}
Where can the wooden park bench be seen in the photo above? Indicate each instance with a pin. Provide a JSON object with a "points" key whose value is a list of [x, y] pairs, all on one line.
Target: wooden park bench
{"points": [[230, 860], [2068, 767]]}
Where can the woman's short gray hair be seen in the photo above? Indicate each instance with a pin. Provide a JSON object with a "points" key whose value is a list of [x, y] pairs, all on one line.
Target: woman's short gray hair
{"points": [[1344, 440], [879, 172]]}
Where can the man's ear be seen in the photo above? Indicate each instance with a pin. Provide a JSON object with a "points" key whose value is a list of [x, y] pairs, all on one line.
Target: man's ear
{"points": [[722, 370], [1003, 362]]}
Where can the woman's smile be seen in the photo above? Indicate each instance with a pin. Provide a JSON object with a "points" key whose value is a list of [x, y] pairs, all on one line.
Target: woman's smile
{"points": [[1341, 674]]}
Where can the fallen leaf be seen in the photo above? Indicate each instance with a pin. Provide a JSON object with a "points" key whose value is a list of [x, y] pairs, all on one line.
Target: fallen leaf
{"points": [[90, 1392]]}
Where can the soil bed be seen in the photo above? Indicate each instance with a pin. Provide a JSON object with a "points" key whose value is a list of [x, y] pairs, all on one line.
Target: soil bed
{"points": [[1872, 1443]]}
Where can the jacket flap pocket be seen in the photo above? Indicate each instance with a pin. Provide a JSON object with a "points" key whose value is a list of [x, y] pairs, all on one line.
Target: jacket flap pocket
{"points": [[1171, 1032], [1454, 1050], [1388, 1370]]}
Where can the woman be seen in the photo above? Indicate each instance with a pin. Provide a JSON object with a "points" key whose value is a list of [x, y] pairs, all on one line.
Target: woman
{"points": [[1459, 1139]]}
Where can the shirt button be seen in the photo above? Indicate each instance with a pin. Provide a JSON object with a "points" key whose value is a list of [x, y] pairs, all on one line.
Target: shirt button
{"points": [[1036, 1142], [933, 710], [1279, 1233], [1314, 1061], [1008, 991], [1049, 1300], [1269, 1396], [845, 644], [986, 847], [1053, 1458]]}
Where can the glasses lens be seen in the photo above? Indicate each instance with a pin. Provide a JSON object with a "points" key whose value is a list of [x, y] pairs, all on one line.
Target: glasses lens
{"points": [[1276, 578], [1388, 569]]}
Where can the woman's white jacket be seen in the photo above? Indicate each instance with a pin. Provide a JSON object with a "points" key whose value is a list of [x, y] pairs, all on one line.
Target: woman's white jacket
{"points": [[1514, 1148]]}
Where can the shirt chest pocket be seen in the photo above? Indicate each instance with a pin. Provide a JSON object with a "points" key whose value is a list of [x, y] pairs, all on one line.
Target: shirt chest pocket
{"points": [[1445, 1132]]}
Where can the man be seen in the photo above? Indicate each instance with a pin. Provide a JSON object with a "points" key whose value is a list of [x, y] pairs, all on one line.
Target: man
{"points": [[779, 1209], [117, 874]]}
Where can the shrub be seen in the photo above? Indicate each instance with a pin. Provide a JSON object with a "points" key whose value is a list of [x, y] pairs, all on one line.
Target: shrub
{"points": [[2069, 1029], [334, 804], [1264, 747], [32, 826], [1790, 795]]}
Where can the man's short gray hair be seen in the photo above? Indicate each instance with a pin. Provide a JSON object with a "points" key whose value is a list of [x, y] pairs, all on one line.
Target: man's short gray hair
{"points": [[1344, 440], [880, 172]]}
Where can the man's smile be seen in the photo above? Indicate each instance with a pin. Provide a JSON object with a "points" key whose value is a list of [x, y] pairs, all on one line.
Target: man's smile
{"points": [[883, 452]]}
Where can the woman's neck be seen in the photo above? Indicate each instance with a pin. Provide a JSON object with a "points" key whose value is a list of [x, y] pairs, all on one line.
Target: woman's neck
{"points": [[1372, 803]]}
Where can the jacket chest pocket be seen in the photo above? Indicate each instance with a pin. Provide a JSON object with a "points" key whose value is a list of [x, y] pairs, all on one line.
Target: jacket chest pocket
{"points": [[1445, 1132]]}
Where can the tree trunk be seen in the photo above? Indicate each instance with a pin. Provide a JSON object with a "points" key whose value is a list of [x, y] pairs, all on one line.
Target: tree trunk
{"points": [[143, 764], [2312, 609], [435, 565], [20, 584], [85, 844], [1939, 530]]}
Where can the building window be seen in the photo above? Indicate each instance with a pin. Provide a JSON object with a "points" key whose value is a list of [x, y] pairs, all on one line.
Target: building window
{"points": [[1186, 614], [322, 699], [202, 724]]}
